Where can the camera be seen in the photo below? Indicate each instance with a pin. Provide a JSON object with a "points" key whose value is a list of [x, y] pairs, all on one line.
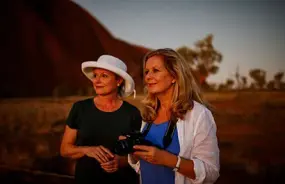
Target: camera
{"points": [[124, 147]]}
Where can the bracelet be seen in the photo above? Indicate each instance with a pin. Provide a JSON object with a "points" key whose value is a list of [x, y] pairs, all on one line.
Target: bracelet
{"points": [[177, 166]]}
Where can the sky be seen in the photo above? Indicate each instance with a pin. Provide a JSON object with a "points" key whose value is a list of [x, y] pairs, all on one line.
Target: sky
{"points": [[249, 33]]}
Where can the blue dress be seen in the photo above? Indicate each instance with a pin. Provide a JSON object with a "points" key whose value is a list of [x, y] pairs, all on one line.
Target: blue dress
{"points": [[158, 174]]}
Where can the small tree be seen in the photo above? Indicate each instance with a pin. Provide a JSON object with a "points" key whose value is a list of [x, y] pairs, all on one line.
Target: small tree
{"points": [[276, 83], [259, 77], [244, 82], [278, 80], [203, 59], [221, 87], [229, 84], [270, 85]]}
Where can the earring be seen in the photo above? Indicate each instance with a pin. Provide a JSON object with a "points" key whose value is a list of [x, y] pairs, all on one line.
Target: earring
{"points": [[118, 84]]}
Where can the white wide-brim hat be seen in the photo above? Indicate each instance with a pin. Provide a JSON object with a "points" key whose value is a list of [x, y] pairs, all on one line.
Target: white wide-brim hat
{"points": [[112, 64]]}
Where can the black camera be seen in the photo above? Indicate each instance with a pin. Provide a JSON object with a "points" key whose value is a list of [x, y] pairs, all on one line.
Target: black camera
{"points": [[124, 147]]}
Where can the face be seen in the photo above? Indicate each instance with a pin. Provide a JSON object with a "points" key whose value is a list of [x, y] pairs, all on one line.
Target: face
{"points": [[105, 82], [158, 80]]}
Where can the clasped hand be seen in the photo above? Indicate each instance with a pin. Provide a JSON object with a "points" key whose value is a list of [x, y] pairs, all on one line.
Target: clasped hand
{"points": [[108, 161]]}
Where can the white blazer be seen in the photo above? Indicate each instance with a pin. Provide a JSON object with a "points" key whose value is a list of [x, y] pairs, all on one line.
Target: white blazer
{"points": [[198, 142]]}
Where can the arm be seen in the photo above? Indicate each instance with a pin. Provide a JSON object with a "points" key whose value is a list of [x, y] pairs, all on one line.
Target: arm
{"points": [[204, 162], [161, 157], [67, 148], [138, 125], [205, 151], [186, 166], [122, 160]]}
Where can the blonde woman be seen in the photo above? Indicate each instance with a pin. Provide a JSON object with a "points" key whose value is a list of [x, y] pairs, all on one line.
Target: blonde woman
{"points": [[94, 124], [179, 125]]}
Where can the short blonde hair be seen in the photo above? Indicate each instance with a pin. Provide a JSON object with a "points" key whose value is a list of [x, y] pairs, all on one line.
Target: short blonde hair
{"points": [[185, 89]]}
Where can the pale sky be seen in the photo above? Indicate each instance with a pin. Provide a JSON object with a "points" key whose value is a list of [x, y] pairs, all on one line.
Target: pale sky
{"points": [[249, 34]]}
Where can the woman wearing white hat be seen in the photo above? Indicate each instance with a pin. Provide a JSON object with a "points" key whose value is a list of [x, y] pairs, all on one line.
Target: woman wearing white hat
{"points": [[94, 125]]}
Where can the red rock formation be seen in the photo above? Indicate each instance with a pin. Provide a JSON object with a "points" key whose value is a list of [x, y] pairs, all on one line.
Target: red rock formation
{"points": [[44, 43]]}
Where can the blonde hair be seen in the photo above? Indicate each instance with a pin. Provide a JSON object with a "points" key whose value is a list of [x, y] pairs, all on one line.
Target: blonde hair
{"points": [[185, 88]]}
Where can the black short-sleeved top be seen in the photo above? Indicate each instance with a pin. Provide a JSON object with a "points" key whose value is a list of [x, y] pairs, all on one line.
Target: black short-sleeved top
{"points": [[96, 127]]}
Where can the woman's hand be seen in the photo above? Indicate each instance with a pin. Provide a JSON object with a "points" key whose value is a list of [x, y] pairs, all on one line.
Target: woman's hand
{"points": [[100, 153], [122, 137], [112, 165], [151, 154]]}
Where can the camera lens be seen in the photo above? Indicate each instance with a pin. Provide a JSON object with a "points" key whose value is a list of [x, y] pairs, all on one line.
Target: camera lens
{"points": [[124, 147]]}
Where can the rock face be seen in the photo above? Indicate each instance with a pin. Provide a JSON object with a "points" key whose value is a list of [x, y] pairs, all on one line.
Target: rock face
{"points": [[44, 43]]}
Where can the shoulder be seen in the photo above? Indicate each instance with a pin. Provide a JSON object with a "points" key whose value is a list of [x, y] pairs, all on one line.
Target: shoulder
{"points": [[200, 108], [130, 107], [82, 103], [198, 119], [198, 112]]}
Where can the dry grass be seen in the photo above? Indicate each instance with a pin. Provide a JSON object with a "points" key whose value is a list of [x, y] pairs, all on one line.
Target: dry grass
{"points": [[250, 132]]}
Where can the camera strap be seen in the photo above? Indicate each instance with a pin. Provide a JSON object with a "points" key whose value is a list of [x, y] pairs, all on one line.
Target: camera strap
{"points": [[167, 138]]}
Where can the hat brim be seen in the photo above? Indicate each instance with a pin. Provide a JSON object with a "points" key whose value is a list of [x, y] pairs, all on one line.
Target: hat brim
{"points": [[129, 85]]}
